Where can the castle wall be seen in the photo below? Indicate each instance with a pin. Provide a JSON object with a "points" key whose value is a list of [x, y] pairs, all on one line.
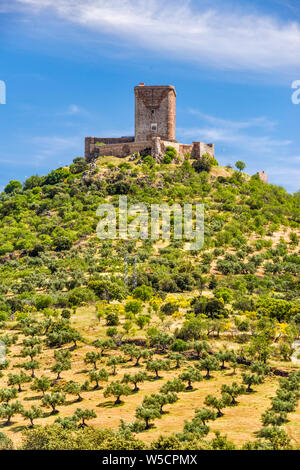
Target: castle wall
{"points": [[169, 143], [263, 176], [156, 147], [117, 150], [185, 148], [201, 148], [91, 146], [155, 105], [155, 116], [207, 148], [112, 140]]}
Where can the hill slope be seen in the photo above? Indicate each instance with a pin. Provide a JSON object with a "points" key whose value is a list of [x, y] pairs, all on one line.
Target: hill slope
{"points": [[234, 303]]}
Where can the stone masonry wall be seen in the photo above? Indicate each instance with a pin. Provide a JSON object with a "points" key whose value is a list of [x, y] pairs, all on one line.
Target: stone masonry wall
{"points": [[207, 148], [116, 150], [155, 147], [263, 176], [155, 105], [91, 146], [201, 148]]}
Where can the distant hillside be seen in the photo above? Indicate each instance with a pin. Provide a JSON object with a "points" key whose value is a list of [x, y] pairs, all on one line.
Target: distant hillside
{"points": [[49, 244]]}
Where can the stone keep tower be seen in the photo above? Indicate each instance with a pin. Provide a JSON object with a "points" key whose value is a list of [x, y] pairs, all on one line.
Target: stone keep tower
{"points": [[155, 112], [155, 115]]}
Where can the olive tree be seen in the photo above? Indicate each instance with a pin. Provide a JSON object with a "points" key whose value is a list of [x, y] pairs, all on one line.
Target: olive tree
{"points": [[92, 357], [190, 375], [113, 361], [159, 400], [147, 415], [218, 403], [15, 379], [33, 413], [84, 415], [251, 379], [98, 376], [117, 390], [52, 400], [204, 414], [157, 365], [41, 384], [139, 377], [208, 363], [9, 410], [74, 388], [234, 390]]}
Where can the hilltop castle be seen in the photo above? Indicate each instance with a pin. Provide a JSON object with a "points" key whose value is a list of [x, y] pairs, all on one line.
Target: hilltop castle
{"points": [[155, 117]]}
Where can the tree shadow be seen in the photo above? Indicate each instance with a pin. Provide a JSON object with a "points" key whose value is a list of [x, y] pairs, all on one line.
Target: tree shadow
{"points": [[33, 398], [110, 404], [70, 402], [150, 427], [152, 378], [50, 413], [5, 425], [19, 428]]}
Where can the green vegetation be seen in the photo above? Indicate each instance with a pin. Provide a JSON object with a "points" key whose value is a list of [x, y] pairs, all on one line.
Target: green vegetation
{"points": [[156, 342]]}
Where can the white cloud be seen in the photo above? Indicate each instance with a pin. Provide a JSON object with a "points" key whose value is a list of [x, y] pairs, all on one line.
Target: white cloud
{"points": [[48, 148], [291, 158], [73, 109], [248, 140], [259, 122], [291, 172], [229, 132], [218, 36], [288, 177]]}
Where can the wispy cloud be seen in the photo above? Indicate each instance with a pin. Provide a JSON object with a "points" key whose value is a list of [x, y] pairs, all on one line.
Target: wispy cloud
{"points": [[288, 177], [259, 122], [219, 37], [73, 110], [292, 159], [40, 155], [229, 132], [52, 148], [250, 140]]}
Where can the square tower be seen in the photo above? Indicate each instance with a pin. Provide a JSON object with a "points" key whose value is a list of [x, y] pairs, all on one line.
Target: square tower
{"points": [[155, 112]]}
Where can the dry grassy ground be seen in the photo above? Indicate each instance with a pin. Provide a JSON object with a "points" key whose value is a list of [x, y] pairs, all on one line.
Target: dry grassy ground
{"points": [[239, 422]]}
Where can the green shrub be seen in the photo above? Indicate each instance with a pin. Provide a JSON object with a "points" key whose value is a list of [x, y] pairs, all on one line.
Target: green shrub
{"points": [[171, 154], [12, 186]]}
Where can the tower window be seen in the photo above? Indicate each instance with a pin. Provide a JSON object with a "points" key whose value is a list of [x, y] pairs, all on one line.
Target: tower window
{"points": [[153, 112], [154, 127]]}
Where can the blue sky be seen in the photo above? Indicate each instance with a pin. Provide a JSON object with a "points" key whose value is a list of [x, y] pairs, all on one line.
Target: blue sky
{"points": [[70, 68]]}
